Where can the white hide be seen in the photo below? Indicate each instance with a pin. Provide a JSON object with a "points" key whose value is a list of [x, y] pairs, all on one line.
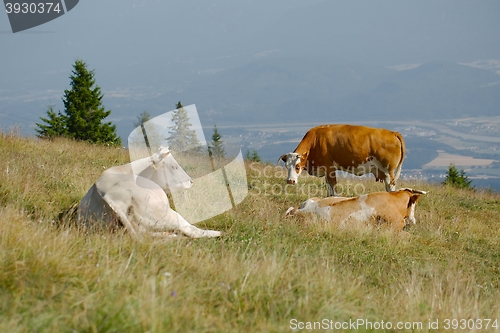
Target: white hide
{"points": [[360, 216], [134, 194], [292, 159]]}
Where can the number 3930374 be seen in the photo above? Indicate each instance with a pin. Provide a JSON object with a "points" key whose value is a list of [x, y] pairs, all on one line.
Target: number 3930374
{"points": [[32, 8], [26, 14]]}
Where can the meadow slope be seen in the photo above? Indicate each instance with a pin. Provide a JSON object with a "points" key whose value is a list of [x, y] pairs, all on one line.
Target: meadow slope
{"points": [[266, 274]]}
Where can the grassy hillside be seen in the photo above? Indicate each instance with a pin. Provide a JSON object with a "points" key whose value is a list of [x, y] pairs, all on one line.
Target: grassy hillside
{"points": [[266, 274]]}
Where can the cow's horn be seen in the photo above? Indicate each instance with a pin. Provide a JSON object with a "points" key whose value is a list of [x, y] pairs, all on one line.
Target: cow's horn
{"points": [[414, 191], [420, 191], [282, 158]]}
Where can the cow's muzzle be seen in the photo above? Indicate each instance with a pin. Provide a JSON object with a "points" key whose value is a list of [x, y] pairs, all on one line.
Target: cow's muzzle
{"points": [[290, 181]]}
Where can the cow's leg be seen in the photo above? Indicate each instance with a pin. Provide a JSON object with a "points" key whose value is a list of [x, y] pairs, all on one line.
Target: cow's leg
{"points": [[191, 231], [163, 234], [331, 181], [394, 220], [390, 181], [120, 213], [397, 172]]}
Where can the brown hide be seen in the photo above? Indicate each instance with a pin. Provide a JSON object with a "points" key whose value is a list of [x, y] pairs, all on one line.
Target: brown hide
{"points": [[389, 208], [342, 147]]}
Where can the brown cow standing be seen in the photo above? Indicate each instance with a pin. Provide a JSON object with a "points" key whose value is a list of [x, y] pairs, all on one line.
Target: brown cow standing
{"points": [[358, 150]]}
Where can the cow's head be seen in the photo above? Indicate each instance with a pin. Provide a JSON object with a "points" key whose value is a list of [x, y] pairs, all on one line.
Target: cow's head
{"points": [[166, 172], [412, 202], [294, 163]]}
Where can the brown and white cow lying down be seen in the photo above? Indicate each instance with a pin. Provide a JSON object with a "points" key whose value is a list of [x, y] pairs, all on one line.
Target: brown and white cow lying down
{"points": [[391, 208], [359, 150], [133, 195]]}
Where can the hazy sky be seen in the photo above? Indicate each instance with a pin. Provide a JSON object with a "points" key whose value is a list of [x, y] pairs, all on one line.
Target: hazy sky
{"points": [[132, 42]]}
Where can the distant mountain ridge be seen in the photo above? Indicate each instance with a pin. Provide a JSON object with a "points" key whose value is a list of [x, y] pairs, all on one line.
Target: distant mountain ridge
{"points": [[297, 89], [294, 89]]}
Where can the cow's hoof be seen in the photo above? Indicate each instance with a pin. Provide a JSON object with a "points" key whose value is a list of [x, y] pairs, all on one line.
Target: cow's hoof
{"points": [[289, 211], [212, 233]]}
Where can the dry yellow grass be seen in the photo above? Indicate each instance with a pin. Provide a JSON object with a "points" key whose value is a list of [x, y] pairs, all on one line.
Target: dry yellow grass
{"points": [[266, 274]]}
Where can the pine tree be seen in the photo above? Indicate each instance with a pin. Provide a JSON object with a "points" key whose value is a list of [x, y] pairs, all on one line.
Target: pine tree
{"points": [[182, 136], [83, 107], [83, 111], [216, 148], [146, 132], [142, 118], [256, 157], [55, 125], [253, 156], [457, 178]]}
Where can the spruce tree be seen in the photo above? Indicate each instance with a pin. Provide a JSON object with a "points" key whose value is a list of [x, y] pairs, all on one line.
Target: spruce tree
{"points": [[182, 136], [83, 110], [216, 148], [142, 118], [256, 157], [146, 132], [253, 156], [54, 127], [457, 178]]}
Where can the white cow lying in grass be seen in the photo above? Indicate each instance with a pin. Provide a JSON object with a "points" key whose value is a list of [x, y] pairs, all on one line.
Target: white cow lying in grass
{"points": [[133, 195], [391, 208]]}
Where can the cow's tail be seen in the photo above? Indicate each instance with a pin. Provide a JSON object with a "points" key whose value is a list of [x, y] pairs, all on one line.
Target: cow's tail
{"points": [[403, 153]]}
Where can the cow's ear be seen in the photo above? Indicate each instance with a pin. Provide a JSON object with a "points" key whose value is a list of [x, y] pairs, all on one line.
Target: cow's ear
{"points": [[413, 199], [304, 155], [282, 158], [163, 152]]}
